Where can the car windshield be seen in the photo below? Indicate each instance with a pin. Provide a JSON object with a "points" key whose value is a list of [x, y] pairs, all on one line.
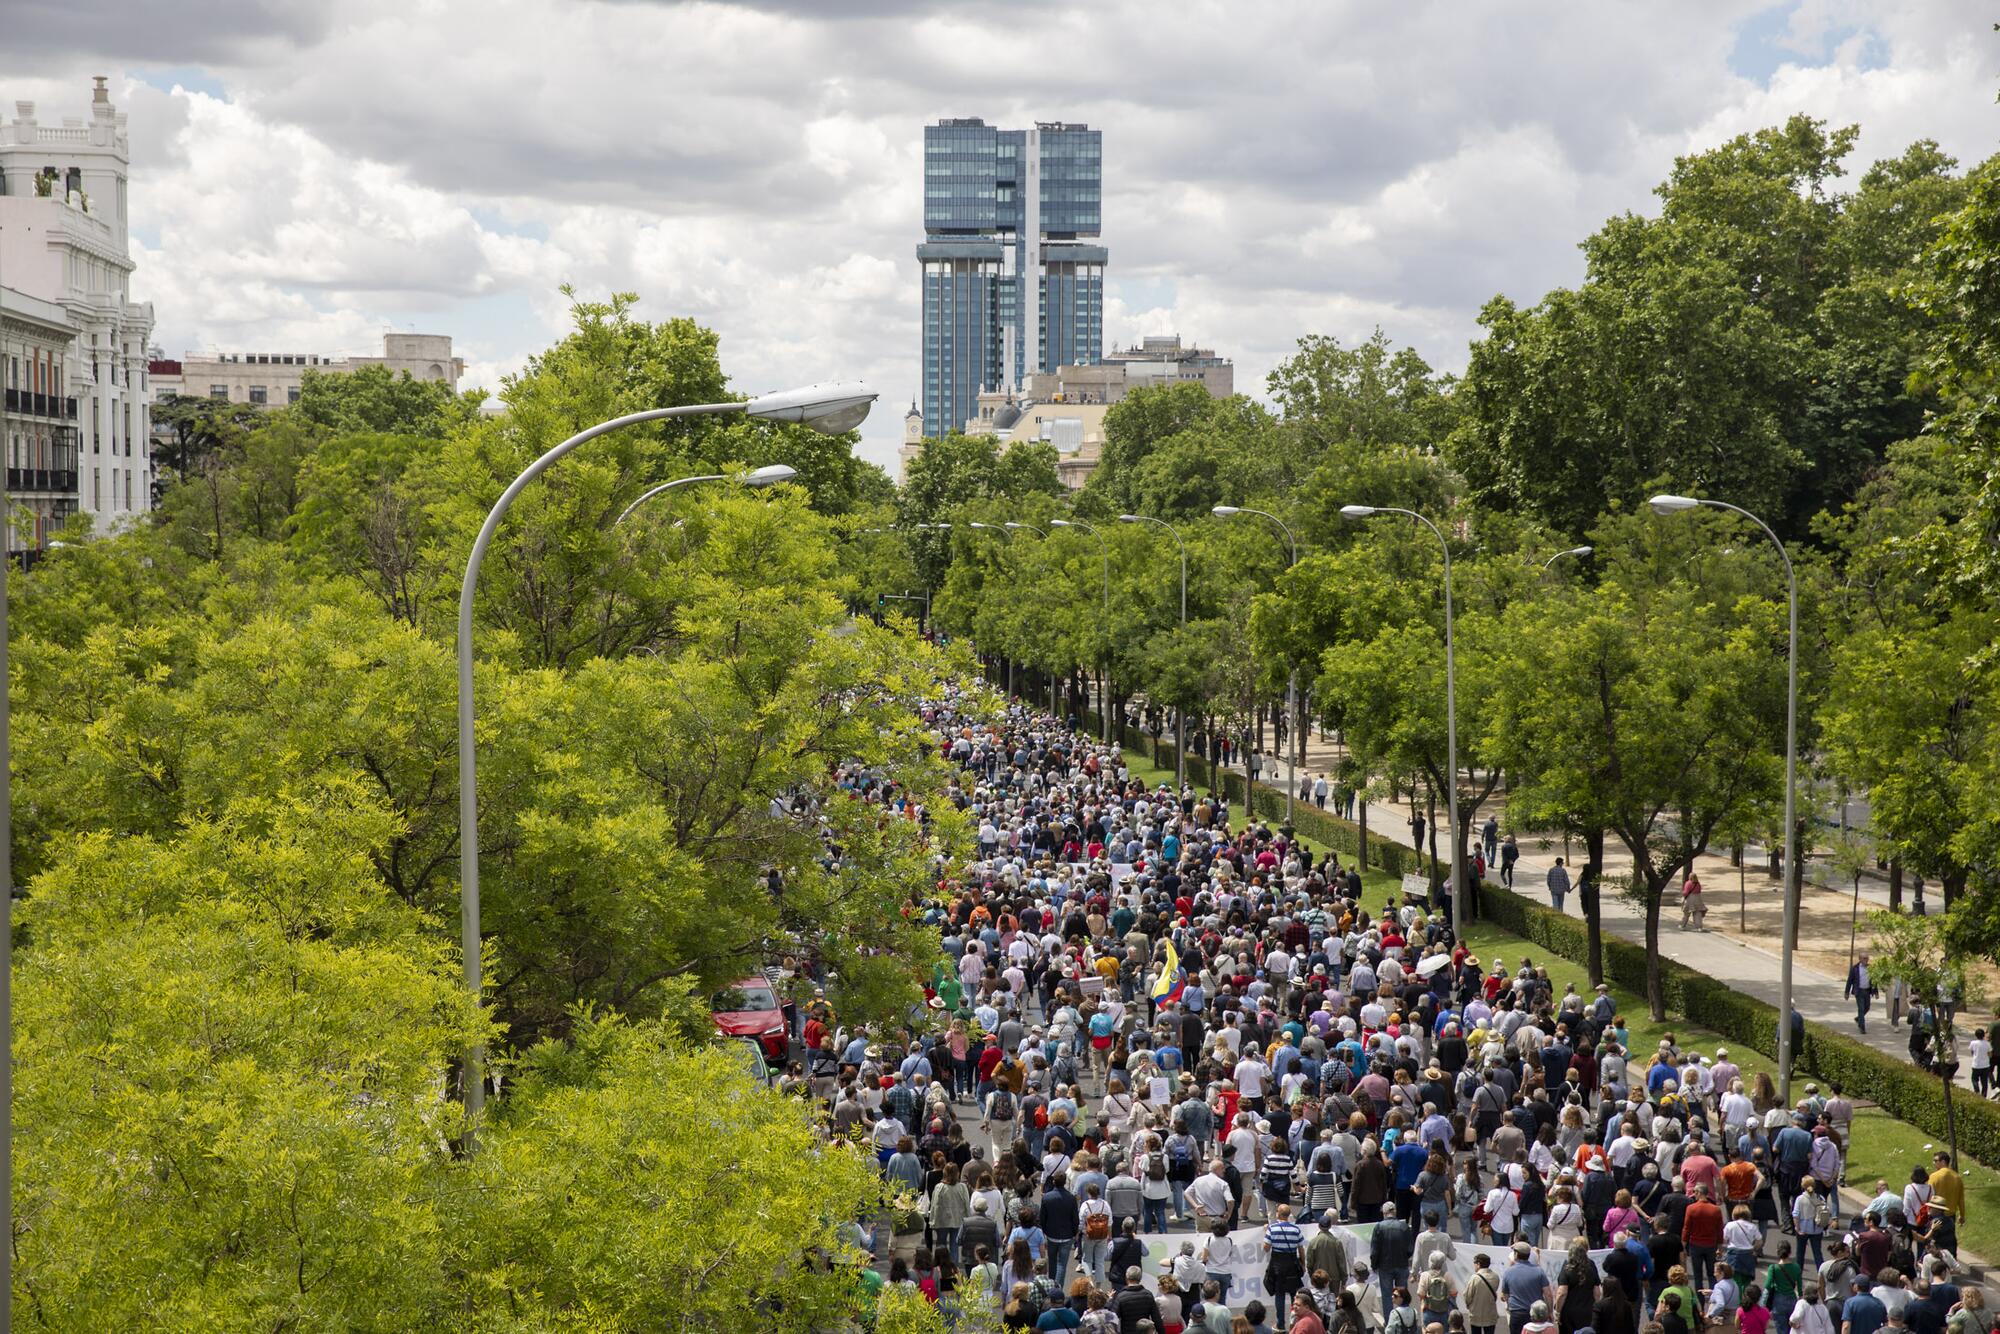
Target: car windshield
{"points": [[752, 996]]}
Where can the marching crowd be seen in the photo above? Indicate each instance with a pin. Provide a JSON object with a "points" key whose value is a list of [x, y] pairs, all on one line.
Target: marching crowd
{"points": [[1154, 1019]]}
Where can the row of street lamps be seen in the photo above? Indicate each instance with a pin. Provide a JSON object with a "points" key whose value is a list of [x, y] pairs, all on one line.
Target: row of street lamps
{"points": [[1661, 504]]}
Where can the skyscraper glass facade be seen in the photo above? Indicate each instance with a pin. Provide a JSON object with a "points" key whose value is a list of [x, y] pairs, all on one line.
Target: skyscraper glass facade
{"points": [[981, 259]]}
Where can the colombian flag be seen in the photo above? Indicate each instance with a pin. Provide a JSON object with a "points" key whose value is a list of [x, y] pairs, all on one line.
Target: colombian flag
{"points": [[1172, 979]]}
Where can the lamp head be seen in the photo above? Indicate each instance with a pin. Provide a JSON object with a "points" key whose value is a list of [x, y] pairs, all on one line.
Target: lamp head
{"points": [[770, 475], [1224, 511], [981, 525], [1131, 518], [1061, 523], [1665, 504], [830, 409], [1011, 524], [1356, 511], [1581, 551]]}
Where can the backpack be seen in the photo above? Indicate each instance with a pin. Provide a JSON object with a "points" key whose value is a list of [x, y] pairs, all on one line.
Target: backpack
{"points": [[1156, 1167], [1097, 1227], [1180, 1151], [1437, 1292], [1001, 1108]]}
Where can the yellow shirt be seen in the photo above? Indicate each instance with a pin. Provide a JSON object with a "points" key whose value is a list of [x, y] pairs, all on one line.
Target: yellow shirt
{"points": [[1950, 1190]]}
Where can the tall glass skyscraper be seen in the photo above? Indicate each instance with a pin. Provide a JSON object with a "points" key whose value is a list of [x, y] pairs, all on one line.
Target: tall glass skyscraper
{"points": [[1011, 283]]}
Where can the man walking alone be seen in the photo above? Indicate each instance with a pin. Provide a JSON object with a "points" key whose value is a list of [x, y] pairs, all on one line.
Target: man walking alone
{"points": [[1862, 988]]}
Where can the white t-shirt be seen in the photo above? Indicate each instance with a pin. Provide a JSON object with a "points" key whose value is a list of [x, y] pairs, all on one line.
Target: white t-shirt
{"points": [[1982, 1054], [1250, 1074], [1242, 1144]]}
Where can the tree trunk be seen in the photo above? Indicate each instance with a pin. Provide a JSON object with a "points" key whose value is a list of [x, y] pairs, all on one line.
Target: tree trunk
{"points": [[1656, 992], [1954, 885], [1361, 843], [1895, 884], [1593, 920]]}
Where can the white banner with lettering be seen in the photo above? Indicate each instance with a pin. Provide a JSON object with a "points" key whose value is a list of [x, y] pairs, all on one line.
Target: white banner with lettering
{"points": [[1244, 1257]]}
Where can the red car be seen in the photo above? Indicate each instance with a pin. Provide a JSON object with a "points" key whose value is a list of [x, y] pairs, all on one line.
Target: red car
{"points": [[749, 1009]]}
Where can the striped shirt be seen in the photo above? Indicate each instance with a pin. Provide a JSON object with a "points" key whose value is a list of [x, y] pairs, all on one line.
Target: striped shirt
{"points": [[1284, 1235]]}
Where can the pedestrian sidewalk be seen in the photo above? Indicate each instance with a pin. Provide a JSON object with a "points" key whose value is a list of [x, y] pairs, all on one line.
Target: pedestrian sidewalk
{"points": [[1818, 966]]}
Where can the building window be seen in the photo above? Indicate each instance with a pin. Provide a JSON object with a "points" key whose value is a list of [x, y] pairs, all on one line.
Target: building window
{"points": [[258, 394], [292, 394], [218, 391], [97, 488]]}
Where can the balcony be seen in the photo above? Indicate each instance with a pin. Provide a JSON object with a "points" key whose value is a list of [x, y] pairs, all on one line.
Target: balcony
{"points": [[62, 481], [21, 403]]}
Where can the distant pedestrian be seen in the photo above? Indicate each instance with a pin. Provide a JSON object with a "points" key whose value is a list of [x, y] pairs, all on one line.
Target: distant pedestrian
{"points": [[1558, 884], [1320, 787], [1510, 852], [1862, 988], [1490, 833]]}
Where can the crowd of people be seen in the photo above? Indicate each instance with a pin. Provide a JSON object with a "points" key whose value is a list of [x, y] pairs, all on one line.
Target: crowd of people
{"points": [[1153, 1019]]}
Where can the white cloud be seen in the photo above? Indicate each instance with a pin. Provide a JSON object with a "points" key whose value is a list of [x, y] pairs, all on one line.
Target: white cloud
{"points": [[1271, 170]]}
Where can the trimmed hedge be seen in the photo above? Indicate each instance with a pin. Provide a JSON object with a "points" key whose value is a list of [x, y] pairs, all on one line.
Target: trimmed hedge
{"points": [[1899, 1088]]}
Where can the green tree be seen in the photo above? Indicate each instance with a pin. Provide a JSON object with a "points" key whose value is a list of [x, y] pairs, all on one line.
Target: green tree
{"points": [[1371, 395], [1599, 728], [377, 400]]}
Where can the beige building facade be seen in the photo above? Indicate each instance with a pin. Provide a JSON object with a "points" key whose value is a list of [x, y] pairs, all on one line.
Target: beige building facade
{"points": [[274, 379]]}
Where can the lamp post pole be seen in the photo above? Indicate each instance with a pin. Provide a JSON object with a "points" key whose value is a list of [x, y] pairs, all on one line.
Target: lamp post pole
{"points": [[1013, 526], [1450, 702], [1180, 713], [1670, 504], [831, 408], [1292, 677], [1104, 550], [1005, 536]]}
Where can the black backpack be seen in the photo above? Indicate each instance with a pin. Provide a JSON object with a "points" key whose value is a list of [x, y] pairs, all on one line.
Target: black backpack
{"points": [[1001, 1107]]}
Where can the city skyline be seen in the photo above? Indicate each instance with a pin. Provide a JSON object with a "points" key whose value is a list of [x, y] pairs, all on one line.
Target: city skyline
{"points": [[301, 181]]}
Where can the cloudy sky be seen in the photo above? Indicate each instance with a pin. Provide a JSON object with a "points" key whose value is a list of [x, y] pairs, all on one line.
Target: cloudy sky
{"points": [[307, 175]]}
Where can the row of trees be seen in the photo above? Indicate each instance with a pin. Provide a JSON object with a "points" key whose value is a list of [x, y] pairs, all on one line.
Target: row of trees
{"points": [[1820, 355], [238, 1011]]}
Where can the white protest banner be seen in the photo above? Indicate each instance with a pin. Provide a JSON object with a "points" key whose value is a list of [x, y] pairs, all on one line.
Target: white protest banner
{"points": [[1243, 1257], [1416, 886]]}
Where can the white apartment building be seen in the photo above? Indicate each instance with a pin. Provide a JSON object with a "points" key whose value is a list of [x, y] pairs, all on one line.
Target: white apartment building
{"points": [[64, 242]]}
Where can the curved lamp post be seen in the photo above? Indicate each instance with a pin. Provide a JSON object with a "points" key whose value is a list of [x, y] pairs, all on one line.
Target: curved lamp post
{"points": [[830, 408], [1667, 504], [1180, 714], [1104, 550], [1573, 551], [1292, 677], [1450, 700], [768, 475]]}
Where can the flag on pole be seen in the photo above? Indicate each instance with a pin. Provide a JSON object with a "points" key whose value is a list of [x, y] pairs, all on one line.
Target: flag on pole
{"points": [[1172, 979]]}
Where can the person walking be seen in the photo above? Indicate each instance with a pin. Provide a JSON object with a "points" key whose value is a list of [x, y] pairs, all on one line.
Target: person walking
{"points": [[1862, 988], [1558, 882], [1510, 852]]}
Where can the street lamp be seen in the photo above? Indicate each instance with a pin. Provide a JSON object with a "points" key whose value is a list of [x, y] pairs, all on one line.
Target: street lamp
{"points": [[831, 409], [768, 475], [1573, 551], [1104, 550], [1667, 504], [1292, 678], [1355, 512], [1180, 714], [1014, 527], [1001, 529]]}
